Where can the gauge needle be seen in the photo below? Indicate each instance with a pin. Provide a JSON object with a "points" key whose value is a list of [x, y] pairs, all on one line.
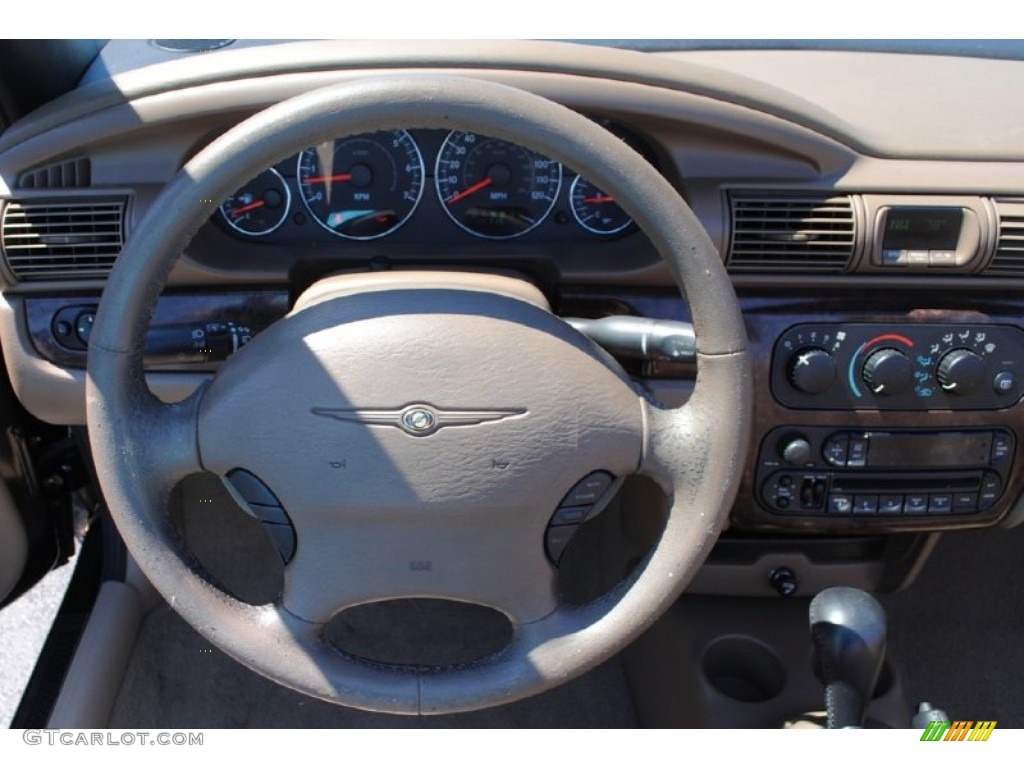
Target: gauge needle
{"points": [[335, 177], [246, 208], [599, 199], [486, 182]]}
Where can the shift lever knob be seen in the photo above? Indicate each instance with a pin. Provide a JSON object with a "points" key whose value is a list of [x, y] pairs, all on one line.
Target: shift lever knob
{"points": [[848, 635]]}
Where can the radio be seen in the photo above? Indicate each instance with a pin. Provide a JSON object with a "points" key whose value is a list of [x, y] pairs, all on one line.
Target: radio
{"points": [[824, 471]]}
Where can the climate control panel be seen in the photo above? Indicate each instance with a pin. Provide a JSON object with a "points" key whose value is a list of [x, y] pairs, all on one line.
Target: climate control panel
{"points": [[918, 366]]}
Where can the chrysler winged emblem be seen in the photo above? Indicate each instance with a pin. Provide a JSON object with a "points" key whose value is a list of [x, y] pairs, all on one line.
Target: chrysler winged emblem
{"points": [[417, 419]]}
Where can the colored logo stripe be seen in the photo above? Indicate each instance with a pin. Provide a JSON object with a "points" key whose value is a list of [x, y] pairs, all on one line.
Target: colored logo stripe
{"points": [[959, 730]]}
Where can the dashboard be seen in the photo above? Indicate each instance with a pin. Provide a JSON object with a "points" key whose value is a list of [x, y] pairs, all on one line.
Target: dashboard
{"points": [[878, 261]]}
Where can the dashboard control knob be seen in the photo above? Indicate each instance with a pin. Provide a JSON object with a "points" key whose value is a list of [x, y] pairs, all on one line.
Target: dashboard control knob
{"points": [[812, 370], [795, 450], [887, 371], [961, 372]]}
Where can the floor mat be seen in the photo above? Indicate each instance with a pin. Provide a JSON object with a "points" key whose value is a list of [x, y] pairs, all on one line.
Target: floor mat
{"points": [[955, 635], [177, 680]]}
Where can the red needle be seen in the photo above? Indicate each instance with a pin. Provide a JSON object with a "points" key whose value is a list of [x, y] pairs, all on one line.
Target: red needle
{"points": [[335, 177], [246, 208], [469, 191], [599, 199]]}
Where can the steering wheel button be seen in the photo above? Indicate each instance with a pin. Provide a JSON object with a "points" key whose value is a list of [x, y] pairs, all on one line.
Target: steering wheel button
{"points": [[588, 490], [283, 537], [557, 539], [268, 514], [252, 489], [570, 515]]}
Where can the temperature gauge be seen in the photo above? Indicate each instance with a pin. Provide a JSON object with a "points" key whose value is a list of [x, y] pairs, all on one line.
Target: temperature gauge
{"points": [[260, 207]]}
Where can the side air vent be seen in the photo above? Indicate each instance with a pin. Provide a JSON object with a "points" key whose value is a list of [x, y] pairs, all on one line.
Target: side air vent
{"points": [[1009, 258], [48, 239], [807, 234], [65, 175]]}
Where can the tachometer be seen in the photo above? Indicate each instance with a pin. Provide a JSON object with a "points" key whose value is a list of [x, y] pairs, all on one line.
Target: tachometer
{"points": [[362, 187], [259, 207], [493, 188]]}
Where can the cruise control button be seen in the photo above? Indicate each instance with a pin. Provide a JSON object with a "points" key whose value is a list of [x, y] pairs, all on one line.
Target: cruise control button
{"points": [[588, 490], [570, 515], [915, 504], [940, 503], [557, 539], [865, 505], [890, 504], [269, 514], [283, 537], [965, 502], [251, 488], [840, 504]]}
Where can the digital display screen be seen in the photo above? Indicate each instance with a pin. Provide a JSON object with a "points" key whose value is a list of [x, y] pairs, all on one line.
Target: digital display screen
{"points": [[926, 229], [949, 449]]}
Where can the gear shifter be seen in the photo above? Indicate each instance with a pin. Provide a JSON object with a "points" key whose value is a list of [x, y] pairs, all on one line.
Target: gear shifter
{"points": [[848, 636]]}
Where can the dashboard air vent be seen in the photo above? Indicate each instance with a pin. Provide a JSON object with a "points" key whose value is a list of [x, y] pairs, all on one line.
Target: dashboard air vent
{"points": [[66, 175], [48, 239], [791, 234], [1009, 258]]}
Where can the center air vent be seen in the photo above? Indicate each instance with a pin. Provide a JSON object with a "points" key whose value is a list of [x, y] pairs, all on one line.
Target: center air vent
{"points": [[48, 239], [1009, 258], [791, 234]]}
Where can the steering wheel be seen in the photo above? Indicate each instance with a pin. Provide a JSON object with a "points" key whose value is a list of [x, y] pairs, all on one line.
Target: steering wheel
{"points": [[418, 436]]}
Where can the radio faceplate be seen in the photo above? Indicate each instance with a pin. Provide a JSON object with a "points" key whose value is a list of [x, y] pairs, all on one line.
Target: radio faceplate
{"points": [[906, 367], [824, 471]]}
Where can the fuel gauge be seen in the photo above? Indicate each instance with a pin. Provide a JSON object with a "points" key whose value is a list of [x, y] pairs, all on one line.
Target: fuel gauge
{"points": [[259, 207], [596, 211]]}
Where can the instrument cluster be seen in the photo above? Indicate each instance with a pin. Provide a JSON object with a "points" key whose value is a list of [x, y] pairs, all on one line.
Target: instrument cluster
{"points": [[370, 186]]}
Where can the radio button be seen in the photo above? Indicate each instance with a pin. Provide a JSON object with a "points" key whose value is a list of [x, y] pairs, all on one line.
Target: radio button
{"points": [[857, 452], [890, 504], [835, 450], [916, 504], [840, 504], [865, 505], [1000, 448], [990, 488], [965, 502], [940, 503]]}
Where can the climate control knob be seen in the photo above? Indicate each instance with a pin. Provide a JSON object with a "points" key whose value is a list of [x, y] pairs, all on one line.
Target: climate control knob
{"points": [[887, 371], [812, 370], [961, 372]]}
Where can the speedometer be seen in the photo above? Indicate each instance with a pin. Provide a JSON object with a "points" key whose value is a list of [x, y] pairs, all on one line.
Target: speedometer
{"points": [[362, 187], [493, 188]]}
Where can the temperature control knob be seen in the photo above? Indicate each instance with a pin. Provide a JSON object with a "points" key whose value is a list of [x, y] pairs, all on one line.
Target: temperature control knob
{"points": [[961, 372], [812, 370], [887, 371]]}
